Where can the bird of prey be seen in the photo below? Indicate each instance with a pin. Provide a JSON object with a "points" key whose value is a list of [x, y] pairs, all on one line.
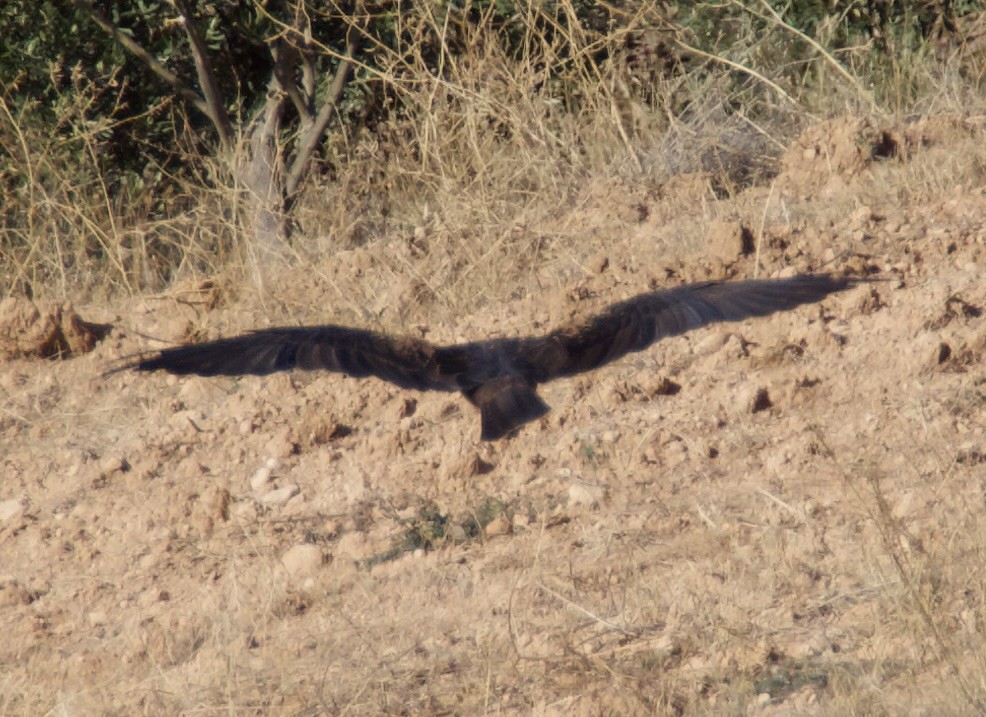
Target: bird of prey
{"points": [[498, 376]]}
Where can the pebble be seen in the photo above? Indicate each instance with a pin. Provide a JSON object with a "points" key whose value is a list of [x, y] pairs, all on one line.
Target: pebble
{"points": [[711, 343], [752, 399], [97, 617], [112, 464], [260, 479], [280, 496], [303, 559], [12, 509], [498, 526], [585, 494]]}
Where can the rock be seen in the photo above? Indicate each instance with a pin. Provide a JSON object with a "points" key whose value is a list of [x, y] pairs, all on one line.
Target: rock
{"points": [[727, 241], [113, 464], [97, 617], [753, 399], [260, 479], [282, 445], [58, 332], [11, 510], [711, 344], [585, 494], [280, 496], [498, 526], [303, 559]]}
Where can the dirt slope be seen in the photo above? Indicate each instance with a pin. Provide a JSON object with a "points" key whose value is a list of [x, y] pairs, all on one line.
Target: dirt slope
{"points": [[662, 542]]}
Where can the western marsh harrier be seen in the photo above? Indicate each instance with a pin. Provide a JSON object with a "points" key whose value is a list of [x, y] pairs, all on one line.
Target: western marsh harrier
{"points": [[499, 376]]}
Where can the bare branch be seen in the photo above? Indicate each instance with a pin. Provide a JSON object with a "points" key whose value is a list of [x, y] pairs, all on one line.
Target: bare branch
{"points": [[207, 76], [286, 58], [131, 46], [309, 140]]}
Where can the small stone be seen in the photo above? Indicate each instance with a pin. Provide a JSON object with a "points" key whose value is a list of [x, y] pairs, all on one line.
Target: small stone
{"points": [[260, 479], [280, 496], [112, 464], [711, 343], [753, 400], [585, 494], [97, 617], [498, 526], [304, 559], [11, 510]]}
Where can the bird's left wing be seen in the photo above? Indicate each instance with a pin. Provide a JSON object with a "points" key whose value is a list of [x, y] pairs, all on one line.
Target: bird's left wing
{"points": [[635, 324]]}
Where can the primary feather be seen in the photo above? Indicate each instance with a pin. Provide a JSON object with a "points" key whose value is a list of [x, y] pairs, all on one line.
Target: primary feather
{"points": [[499, 376]]}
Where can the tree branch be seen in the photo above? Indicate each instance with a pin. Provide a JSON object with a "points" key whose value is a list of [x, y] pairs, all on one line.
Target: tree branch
{"points": [[313, 136], [286, 58], [128, 44], [216, 110]]}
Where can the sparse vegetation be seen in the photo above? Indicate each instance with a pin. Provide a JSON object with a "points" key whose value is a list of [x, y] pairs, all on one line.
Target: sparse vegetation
{"points": [[491, 168], [124, 171]]}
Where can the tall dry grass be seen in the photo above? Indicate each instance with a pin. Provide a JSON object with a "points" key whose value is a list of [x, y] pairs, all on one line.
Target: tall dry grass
{"points": [[484, 144]]}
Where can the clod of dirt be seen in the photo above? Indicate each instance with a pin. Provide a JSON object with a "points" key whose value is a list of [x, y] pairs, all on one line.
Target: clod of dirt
{"points": [[829, 154], [58, 333], [728, 241]]}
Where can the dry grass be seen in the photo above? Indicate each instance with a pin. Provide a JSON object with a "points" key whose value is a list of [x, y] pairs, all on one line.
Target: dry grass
{"points": [[489, 146], [827, 560]]}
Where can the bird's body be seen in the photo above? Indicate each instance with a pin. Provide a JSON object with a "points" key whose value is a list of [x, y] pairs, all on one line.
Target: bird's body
{"points": [[499, 376]]}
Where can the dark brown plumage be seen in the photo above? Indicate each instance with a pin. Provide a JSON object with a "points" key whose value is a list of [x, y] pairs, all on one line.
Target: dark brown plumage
{"points": [[499, 376]]}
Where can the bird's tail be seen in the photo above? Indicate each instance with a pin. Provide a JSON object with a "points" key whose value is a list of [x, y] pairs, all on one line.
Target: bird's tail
{"points": [[506, 403]]}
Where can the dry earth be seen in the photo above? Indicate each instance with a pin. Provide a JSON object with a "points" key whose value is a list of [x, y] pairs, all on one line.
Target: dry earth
{"points": [[784, 516]]}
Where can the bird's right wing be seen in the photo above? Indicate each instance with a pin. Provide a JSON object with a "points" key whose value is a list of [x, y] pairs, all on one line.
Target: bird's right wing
{"points": [[635, 324], [409, 363]]}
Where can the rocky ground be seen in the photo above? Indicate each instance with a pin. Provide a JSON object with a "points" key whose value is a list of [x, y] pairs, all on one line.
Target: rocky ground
{"points": [[783, 516]]}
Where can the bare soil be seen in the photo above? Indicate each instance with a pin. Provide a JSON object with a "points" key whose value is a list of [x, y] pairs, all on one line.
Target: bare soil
{"points": [[784, 516]]}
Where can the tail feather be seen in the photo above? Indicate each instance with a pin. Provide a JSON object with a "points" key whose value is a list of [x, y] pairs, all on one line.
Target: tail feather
{"points": [[505, 404]]}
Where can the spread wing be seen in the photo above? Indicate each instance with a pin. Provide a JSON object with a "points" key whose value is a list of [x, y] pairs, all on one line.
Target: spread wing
{"points": [[635, 324], [409, 363]]}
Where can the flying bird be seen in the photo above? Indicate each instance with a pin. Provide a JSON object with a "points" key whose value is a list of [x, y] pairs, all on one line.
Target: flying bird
{"points": [[498, 376]]}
